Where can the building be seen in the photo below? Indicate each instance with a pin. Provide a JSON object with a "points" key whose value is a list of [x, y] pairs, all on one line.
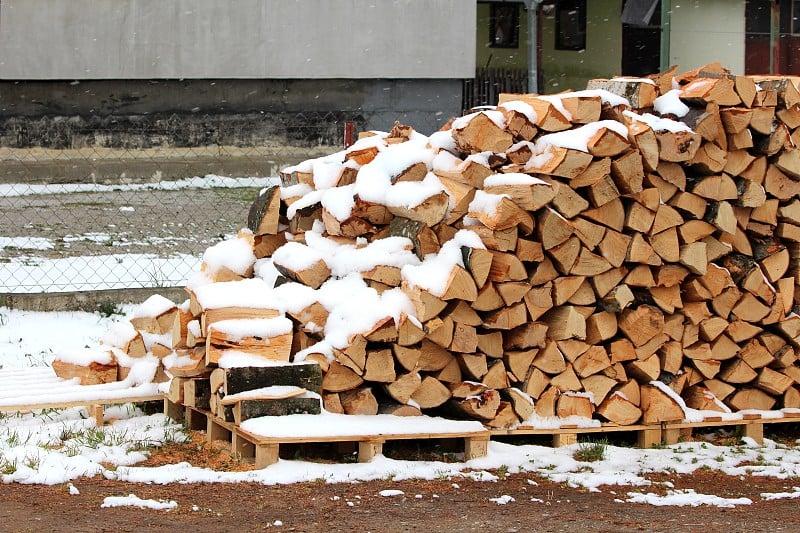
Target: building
{"points": [[139, 73], [560, 44], [201, 72]]}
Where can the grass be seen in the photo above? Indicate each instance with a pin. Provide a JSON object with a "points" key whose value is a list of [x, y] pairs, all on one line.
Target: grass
{"points": [[7, 467], [245, 195], [32, 462], [157, 277], [590, 452], [107, 308]]}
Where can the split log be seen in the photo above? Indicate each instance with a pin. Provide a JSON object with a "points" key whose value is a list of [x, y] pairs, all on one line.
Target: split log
{"points": [[481, 134], [359, 401], [92, 373], [619, 410], [574, 405], [657, 406], [481, 406], [641, 94], [403, 387]]}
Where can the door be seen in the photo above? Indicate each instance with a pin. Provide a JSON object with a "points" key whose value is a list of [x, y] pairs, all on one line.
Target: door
{"points": [[641, 37]]}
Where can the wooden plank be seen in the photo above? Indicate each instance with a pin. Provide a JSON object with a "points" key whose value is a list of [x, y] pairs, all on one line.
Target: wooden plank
{"points": [[217, 431], [755, 431], [96, 412], [751, 427], [34, 406], [195, 420], [649, 437], [672, 435], [475, 447], [266, 454], [242, 449], [257, 439], [564, 439], [174, 411], [368, 449]]}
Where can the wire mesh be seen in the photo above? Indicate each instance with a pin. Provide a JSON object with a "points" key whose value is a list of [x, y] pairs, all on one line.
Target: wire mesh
{"points": [[113, 213]]}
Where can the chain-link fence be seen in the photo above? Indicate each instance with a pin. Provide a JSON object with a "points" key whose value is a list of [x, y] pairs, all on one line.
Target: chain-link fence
{"points": [[88, 208]]}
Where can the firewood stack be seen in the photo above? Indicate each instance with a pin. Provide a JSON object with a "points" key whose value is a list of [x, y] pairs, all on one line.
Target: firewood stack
{"points": [[602, 253]]}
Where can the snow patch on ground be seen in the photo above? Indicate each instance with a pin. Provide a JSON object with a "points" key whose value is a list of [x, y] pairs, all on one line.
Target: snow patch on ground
{"points": [[682, 498], [131, 500]]}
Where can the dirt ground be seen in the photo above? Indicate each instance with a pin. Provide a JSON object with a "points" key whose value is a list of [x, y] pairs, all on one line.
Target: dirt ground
{"points": [[451, 505], [424, 506], [149, 221]]}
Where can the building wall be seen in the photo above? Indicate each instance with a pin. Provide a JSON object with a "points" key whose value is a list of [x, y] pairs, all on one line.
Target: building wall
{"points": [[185, 113], [173, 39], [144, 73], [488, 56], [707, 31], [567, 69]]}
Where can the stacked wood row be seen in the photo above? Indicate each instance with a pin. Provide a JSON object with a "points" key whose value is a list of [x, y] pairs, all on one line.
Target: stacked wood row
{"points": [[131, 350], [629, 262]]}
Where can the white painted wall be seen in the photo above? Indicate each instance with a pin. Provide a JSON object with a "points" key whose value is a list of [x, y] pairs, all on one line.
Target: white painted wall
{"points": [[704, 31], [146, 39]]}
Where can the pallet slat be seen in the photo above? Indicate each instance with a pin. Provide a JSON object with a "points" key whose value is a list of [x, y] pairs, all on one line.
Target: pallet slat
{"points": [[264, 451]]}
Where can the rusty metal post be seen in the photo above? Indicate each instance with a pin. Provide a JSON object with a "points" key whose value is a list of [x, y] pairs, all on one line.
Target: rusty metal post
{"points": [[349, 133]]}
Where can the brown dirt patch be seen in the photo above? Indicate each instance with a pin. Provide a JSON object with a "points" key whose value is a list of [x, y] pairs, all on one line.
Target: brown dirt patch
{"points": [[198, 452], [441, 505]]}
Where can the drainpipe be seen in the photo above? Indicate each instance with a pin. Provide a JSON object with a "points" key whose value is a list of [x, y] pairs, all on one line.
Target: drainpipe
{"points": [[666, 28], [774, 37], [532, 7]]}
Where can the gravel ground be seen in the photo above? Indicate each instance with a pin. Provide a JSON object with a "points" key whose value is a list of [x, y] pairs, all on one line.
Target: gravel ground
{"points": [[149, 221]]}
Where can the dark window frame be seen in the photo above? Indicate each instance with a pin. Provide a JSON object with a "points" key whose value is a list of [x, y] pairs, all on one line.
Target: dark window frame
{"points": [[504, 25], [794, 22], [571, 25]]}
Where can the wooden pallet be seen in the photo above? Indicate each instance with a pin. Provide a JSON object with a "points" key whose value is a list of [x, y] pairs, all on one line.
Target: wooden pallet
{"points": [[752, 425], [264, 451], [33, 389], [646, 435], [95, 408]]}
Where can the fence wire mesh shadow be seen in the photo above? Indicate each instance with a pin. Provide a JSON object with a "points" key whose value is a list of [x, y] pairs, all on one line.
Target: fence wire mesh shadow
{"points": [[112, 211]]}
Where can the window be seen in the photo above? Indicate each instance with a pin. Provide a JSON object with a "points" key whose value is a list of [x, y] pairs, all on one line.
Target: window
{"points": [[639, 12], [758, 17], [504, 26], [795, 17], [571, 25]]}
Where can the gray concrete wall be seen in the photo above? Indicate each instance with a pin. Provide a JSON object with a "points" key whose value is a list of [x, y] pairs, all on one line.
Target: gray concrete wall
{"points": [[425, 104], [90, 301], [121, 130], [172, 39], [182, 113]]}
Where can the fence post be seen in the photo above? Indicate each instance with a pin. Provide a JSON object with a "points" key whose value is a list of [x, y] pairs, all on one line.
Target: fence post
{"points": [[349, 133]]}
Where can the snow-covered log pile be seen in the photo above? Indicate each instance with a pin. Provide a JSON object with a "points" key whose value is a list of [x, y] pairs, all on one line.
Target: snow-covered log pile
{"points": [[617, 253]]}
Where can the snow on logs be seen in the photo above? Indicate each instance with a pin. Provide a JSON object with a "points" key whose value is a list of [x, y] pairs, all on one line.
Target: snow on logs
{"points": [[619, 253]]}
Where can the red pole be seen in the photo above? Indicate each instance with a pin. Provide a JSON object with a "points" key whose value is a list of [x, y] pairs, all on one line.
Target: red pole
{"points": [[349, 133]]}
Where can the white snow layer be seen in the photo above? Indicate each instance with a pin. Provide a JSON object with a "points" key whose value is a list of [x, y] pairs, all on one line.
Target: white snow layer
{"points": [[131, 500]]}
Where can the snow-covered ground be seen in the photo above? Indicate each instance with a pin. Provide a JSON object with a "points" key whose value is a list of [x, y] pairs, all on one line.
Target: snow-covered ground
{"points": [[55, 447]]}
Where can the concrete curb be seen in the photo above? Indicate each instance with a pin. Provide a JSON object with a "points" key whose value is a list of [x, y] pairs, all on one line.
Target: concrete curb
{"points": [[86, 300]]}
